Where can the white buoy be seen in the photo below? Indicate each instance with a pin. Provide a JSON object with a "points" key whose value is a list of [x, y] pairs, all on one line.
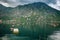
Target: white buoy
{"points": [[15, 30]]}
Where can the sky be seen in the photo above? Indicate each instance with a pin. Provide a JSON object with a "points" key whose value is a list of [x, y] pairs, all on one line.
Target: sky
{"points": [[13, 3]]}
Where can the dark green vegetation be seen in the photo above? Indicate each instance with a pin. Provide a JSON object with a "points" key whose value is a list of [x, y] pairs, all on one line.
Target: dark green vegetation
{"points": [[36, 20]]}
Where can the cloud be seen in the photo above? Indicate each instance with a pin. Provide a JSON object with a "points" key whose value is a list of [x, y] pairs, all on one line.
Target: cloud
{"points": [[5, 4], [9, 3], [13, 3], [56, 5], [55, 36]]}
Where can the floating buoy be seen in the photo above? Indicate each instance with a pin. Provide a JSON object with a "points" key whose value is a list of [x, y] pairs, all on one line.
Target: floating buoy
{"points": [[16, 31]]}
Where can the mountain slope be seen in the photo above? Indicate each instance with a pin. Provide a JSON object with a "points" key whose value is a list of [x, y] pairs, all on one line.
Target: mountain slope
{"points": [[33, 20]]}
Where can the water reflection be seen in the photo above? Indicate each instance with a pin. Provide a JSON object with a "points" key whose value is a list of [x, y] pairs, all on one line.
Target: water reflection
{"points": [[13, 37]]}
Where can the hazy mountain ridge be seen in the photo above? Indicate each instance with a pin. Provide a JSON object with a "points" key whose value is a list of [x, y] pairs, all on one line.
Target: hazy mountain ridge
{"points": [[35, 6]]}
